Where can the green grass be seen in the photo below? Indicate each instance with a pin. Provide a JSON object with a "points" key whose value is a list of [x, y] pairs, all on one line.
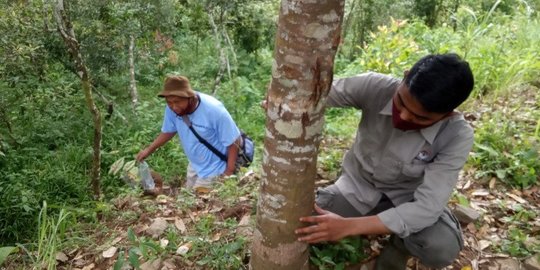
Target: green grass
{"points": [[51, 237]]}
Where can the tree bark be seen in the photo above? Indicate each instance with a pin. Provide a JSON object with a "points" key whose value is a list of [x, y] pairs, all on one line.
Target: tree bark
{"points": [[347, 24], [65, 29], [132, 83], [306, 42], [222, 58]]}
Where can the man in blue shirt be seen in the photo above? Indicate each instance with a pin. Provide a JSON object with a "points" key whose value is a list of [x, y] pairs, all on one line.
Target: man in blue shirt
{"points": [[210, 120]]}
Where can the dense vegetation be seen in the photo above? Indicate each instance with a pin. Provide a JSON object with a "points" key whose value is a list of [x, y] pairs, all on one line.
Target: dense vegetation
{"points": [[225, 48]]}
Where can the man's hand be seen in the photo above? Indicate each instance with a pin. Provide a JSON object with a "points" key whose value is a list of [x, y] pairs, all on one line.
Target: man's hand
{"points": [[264, 104], [228, 172], [143, 154], [328, 227], [160, 140]]}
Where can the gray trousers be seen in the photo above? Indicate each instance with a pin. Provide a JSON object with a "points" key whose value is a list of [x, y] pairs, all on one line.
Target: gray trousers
{"points": [[436, 246]]}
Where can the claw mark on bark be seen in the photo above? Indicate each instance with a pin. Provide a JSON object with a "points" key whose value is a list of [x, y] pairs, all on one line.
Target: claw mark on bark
{"points": [[317, 89]]}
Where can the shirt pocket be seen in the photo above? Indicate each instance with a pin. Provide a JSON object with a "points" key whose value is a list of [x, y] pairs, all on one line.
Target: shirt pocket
{"points": [[414, 169], [388, 170]]}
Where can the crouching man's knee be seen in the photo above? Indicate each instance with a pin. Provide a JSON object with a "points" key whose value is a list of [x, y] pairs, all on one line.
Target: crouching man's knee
{"points": [[439, 245]]}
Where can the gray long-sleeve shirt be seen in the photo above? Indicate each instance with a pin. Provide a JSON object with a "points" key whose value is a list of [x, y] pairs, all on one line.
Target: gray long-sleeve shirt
{"points": [[416, 169]]}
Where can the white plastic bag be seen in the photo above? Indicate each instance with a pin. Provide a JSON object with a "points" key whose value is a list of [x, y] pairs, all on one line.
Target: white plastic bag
{"points": [[147, 182]]}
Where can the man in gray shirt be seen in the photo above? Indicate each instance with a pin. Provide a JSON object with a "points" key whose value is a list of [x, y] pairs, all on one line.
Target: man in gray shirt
{"points": [[399, 174]]}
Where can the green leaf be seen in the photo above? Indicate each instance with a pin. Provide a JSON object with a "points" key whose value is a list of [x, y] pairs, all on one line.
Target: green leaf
{"points": [[131, 235], [27, 208], [328, 260], [501, 174], [4, 253], [151, 245], [349, 248], [492, 152], [134, 258], [129, 165], [116, 166], [204, 261], [120, 261], [462, 200], [233, 247], [315, 261]]}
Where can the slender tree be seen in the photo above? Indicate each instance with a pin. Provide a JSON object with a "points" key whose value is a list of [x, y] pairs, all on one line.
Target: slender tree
{"points": [[65, 28], [132, 81], [306, 42]]}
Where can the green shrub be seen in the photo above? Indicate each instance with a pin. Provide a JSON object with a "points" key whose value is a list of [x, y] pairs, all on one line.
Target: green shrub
{"points": [[504, 150], [337, 256]]}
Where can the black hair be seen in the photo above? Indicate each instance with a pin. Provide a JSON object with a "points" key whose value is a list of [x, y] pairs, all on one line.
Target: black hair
{"points": [[440, 82]]}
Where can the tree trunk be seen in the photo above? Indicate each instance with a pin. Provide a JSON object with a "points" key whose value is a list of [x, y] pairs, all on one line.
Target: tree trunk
{"points": [[65, 29], [306, 42], [453, 18], [222, 58], [347, 25], [132, 83]]}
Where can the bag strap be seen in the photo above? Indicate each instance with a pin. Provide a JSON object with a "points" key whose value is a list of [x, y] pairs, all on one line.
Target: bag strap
{"points": [[202, 140]]}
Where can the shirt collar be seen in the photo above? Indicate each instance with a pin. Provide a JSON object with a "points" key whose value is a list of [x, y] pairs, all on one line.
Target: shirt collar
{"points": [[428, 133]]}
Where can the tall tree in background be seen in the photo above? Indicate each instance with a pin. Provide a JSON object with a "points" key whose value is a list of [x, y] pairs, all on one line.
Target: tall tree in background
{"points": [[428, 10], [65, 28], [363, 24], [306, 42]]}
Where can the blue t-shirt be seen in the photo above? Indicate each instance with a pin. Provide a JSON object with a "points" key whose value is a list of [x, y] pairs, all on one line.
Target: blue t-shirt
{"points": [[212, 122]]}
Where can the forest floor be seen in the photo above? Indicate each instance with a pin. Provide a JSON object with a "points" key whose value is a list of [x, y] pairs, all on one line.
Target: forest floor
{"points": [[496, 204], [181, 230]]}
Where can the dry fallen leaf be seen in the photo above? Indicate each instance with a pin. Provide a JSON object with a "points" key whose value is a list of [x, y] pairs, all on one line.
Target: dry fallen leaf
{"points": [[467, 185], [517, 198], [480, 192], [89, 267], [483, 244], [79, 263], [116, 240], [110, 252], [162, 200], [492, 183], [180, 225], [163, 243], [183, 250], [244, 221], [471, 228], [60, 256], [216, 237], [202, 190], [190, 214]]}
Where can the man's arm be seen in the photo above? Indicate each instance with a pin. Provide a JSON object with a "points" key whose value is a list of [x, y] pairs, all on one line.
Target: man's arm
{"points": [[160, 140], [439, 180], [361, 90], [331, 227], [232, 154]]}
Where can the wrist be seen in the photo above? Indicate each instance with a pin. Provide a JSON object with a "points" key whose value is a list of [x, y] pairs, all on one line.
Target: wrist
{"points": [[351, 227]]}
